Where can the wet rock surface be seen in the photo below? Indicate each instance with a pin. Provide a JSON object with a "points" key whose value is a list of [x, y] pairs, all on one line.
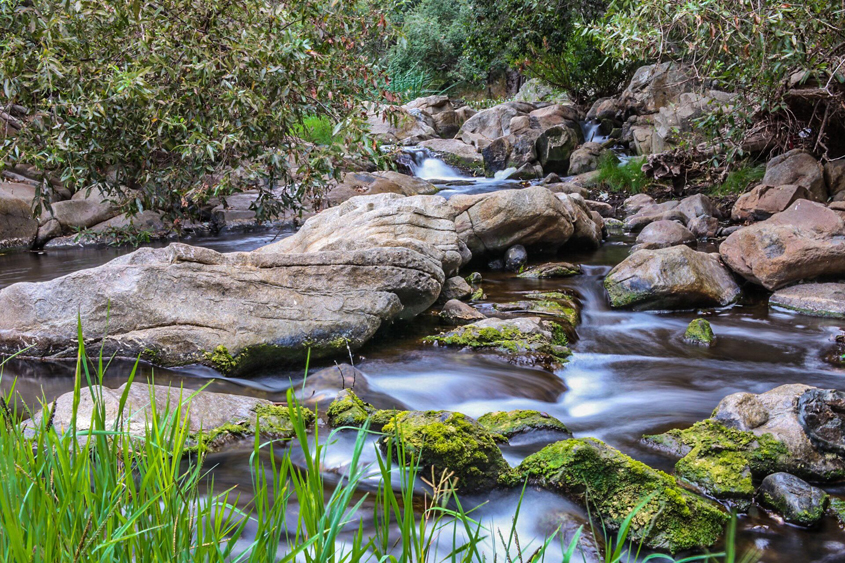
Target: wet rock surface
{"points": [[676, 277], [794, 499], [816, 299]]}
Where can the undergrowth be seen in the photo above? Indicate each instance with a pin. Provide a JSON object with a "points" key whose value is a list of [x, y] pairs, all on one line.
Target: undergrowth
{"points": [[740, 179], [93, 492], [317, 129], [626, 176]]}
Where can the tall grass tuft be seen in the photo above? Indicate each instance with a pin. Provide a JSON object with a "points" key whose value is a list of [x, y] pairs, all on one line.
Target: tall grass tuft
{"points": [[740, 179], [101, 494], [626, 176]]}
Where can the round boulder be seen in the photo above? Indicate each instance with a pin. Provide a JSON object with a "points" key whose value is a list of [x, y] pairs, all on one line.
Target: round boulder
{"points": [[796, 500], [663, 234]]}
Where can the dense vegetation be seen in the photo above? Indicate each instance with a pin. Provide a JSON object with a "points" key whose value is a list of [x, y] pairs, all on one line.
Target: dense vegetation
{"points": [[165, 104]]}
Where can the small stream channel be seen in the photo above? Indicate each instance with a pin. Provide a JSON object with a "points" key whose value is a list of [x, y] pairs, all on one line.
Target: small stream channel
{"points": [[630, 375]]}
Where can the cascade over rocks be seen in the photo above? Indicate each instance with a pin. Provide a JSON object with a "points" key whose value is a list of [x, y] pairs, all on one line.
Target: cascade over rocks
{"points": [[803, 242], [676, 277], [184, 304]]}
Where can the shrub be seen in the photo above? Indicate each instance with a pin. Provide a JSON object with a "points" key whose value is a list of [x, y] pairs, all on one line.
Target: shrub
{"points": [[167, 100], [626, 176]]}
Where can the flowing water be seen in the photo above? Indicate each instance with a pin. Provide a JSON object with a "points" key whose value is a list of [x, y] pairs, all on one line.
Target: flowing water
{"points": [[630, 375]]}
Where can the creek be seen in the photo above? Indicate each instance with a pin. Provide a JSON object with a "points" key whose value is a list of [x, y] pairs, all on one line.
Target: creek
{"points": [[630, 375]]}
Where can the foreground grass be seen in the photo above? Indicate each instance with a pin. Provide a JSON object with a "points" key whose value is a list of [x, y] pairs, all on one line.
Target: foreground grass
{"points": [[104, 495]]}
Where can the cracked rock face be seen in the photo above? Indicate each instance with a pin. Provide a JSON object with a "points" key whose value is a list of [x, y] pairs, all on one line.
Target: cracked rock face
{"points": [[176, 305], [822, 415], [424, 224], [493, 222]]}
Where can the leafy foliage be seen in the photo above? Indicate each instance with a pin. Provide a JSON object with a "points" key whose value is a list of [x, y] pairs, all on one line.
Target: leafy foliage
{"points": [[431, 45], [740, 179], [543, 39], [787, 60], [625, 176], [165, 104]]}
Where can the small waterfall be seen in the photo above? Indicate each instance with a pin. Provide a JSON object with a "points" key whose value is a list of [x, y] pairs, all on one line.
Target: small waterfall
{"points": [[592, 132], [423, 164]]}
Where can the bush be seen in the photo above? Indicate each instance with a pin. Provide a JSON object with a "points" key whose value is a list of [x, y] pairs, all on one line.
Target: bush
{"points": [[761, 50], [625, 176], [159, 103]]}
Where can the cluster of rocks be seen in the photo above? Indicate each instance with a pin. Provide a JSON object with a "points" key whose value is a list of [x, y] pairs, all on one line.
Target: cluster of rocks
{"points": [[90, 217], [348, 272], [763, 447]]}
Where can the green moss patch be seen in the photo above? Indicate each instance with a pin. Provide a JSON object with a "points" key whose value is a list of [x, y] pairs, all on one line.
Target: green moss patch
{"points": [[349, 410], [673, 519], [722, 461], [505, 425], [270, 422], [450, 442], [700, 333], [837, 508]]}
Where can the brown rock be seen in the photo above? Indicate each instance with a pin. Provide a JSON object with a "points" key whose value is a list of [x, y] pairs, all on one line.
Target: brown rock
{"points": [[803, 242], [663, 234], [764, 201], [800, 168]]}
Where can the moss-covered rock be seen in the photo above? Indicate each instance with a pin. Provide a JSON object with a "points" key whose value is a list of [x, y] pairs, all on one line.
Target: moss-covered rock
{"points": [[565, 311], [269, 421], [552, 270], [723, 462], [349, 410], [505, 425], [525, 340], [700, 333], [673, 519], [450, 442], [837, 509], [796, 500]]}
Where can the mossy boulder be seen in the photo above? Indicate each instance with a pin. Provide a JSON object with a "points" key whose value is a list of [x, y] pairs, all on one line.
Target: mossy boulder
{"points": [[565, 310], [552, 270], [448, 442], [269, 421], [349, 410], [506, 425], [721, 461], [673, 519], [700, 333], [796, 500], [525, 340], [837, 509]]}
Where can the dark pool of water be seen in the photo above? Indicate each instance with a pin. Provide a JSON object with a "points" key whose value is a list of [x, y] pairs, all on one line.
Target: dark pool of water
{"points": [[630, 375]]}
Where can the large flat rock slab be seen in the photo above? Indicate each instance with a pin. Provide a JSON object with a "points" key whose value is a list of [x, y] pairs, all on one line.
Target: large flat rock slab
{"points": [[184, 304], [814, 299]]}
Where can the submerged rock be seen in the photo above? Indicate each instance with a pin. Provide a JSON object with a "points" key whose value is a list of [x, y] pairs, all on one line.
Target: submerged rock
{"points": [[507, 425], [794, 499], [676, 277], [525, 340], [673, 519], [238, 311], [446, 443], [349, 410], [814, 299], [699, 332], [214, 419], [804, 242], [552, 270]]}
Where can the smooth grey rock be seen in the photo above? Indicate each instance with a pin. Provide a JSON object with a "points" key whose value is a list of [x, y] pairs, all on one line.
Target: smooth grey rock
{"points": [[455, 287], [663, 234], [457, 312]]}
